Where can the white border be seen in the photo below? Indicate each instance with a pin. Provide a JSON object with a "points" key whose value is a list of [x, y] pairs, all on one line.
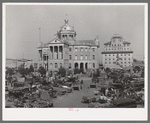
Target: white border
{"points": [[83, 114]]}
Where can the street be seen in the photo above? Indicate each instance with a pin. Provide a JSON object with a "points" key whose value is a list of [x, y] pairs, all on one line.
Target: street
{"points": [[73, 100]]}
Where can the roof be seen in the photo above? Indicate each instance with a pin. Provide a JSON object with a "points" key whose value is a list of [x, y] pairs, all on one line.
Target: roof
{"points": [[116, 36], [41, 45], [111, 52], [85, 42], [123, 101], [108, 43], [126, 42], [66, 27]]}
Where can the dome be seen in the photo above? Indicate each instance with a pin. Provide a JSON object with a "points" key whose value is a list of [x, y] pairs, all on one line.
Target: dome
{"points": [[66, 27]]}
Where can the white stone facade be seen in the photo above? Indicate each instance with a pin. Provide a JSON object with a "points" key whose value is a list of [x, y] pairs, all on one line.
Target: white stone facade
{"points": [[117, 53]]}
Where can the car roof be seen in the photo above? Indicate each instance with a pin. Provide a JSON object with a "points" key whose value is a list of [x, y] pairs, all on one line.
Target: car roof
{"points": [[123, 101]]}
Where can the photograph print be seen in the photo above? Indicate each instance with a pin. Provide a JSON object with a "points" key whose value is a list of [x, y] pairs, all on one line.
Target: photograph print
{"points": [[74, 56]]}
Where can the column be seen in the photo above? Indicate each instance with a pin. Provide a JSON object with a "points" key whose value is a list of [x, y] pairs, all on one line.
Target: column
{"points": [[53, 53], [62, 52], [78, 65], [58, 53]]}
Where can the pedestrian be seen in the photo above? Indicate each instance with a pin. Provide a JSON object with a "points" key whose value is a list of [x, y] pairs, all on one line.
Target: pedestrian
{"points": [[106, 92]]}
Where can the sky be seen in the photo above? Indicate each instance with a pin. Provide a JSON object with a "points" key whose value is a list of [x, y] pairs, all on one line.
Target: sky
{"points": [[23, 23]]}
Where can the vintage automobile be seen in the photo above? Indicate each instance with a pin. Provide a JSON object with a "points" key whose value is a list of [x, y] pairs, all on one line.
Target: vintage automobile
{"points": [[116, 85], [43, 101], [93, 85], [76, 87], [86, 99], [16, 93], [124, 103]]}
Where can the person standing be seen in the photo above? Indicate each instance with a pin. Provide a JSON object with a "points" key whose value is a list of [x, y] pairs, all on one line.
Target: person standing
{"points": [[106, 92]]}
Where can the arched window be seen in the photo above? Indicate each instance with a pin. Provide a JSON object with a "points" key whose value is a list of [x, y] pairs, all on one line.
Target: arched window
{"points": [[56, 65]]}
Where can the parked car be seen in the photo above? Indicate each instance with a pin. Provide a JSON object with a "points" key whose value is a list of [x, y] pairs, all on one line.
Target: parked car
{"points": [[124, 103]]}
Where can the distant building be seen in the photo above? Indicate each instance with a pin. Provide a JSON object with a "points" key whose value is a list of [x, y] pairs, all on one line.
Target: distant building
{"points": [[117, 53], [64, 50], [15, 63], [138, 63]]}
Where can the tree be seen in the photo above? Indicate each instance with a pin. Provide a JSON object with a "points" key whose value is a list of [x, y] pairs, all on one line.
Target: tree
{"points": [[42, 70], [137, 68], [142, 74], [98, 73], [76, 71], [62, 71], [31, 69], [9, 71], [107, 70], [22, 70]]}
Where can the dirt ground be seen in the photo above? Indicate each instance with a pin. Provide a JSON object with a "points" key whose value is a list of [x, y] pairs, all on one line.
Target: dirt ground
{"points": [[73, 100]]}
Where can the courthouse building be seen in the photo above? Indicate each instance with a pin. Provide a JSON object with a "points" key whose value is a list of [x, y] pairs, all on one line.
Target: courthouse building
{"points": [[117, 53], [64, 50]]}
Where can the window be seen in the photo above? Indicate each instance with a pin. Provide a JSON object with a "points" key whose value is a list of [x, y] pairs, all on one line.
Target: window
{"points": [[109, 62], [86, 57], [81, 57], [60, 64], [129, 54], [81, 49], [93, 65], [51, 65], [129, 62], [69, 65], [124, 58], [76, 57], [105, 59], [121, 54], [86, 49], [129, 58], [109, 55], [113, 55], [109, 59], [93, 57], [124, 54], [93, 49], [69, 49], [105, 55], [76, 49], [124, 48], [113, 59], [125, 62], [70, 57], [56, 66], [105, 62], [121, 62]]}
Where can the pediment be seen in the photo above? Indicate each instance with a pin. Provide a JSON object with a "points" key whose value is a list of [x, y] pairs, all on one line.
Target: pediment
{"points": [[55, 41]]}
